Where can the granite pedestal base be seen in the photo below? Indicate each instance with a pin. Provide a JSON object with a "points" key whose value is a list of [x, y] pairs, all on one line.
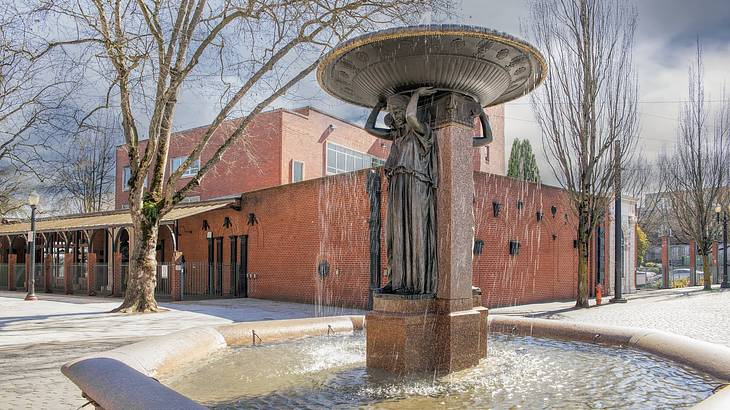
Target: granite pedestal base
{"points": [[420, 334]]}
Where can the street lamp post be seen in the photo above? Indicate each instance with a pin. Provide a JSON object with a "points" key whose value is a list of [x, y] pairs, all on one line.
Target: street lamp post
{"points": [[719, 210], [33, 200]]}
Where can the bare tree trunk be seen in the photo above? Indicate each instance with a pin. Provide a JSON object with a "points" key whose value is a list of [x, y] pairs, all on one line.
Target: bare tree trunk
{"points": [[707, 278], [142, 278], [583, 246]]}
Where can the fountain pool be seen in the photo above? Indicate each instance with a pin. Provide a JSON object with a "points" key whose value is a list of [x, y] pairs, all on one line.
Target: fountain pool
{"points": [[521, 372]]}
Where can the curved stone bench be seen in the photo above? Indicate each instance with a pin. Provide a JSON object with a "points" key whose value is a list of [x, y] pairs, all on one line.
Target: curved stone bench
{"points": [[123, 378]]}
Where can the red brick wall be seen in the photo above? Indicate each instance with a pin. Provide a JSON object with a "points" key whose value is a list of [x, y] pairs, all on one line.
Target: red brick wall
{"points": [[251, 163], [305, 138], [301, 224]]}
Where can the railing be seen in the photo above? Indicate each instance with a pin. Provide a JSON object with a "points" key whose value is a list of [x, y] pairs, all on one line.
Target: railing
{"points": [[164, 279], [101, 277], [20, 276], [4, 275], [125, 273], [78, 277], [40, 284], [204, 279], [57, 278]]}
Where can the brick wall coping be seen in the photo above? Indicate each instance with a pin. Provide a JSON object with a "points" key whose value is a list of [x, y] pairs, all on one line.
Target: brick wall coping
{"points": [[123, 378]]}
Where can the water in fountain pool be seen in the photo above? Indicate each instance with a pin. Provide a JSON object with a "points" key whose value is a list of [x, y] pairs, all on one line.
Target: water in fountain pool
{"points": [[519, 372]]}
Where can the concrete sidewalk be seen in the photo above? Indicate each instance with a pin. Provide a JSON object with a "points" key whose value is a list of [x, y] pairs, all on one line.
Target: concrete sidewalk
{"points": [[36, 338], [691, 311]]}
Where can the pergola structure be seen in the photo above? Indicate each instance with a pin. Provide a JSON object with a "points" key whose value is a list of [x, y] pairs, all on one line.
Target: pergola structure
{"points": [[85, 251]]}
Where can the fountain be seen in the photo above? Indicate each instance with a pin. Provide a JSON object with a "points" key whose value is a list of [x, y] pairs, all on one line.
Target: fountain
{"points": [[434, 80]]}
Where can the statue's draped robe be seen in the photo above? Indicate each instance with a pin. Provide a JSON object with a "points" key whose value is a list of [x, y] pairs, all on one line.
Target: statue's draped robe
{"points": [[410, 231]]}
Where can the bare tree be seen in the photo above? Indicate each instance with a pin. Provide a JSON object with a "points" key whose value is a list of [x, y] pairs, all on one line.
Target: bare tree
{"points": [[587, 104], [83, 175], [696, 172], [31, 96], [154, 49]]}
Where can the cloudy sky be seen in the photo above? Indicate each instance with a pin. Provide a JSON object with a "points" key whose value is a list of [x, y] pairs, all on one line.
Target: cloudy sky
{"points": [[665, 46]]}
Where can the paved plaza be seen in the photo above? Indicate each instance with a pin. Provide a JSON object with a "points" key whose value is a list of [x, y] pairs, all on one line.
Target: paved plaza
{"points": [[36, 338], [690, 312]]}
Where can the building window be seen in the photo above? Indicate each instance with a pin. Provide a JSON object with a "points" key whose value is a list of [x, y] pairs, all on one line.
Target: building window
{"points": [[189, 199], [341, 159], [192, 169], [125, 206], [126, 175], [297, 171]]}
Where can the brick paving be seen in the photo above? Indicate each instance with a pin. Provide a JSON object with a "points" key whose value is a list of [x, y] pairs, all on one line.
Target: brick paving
{"points": [[36, 338]]}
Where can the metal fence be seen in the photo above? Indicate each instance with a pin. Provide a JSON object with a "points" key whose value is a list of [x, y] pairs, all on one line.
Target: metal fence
{"points": [[101, 277], [40, 284], [57, 278], [20, 276], [78, 277], [209, 280], [164, 279], [4, 275]]}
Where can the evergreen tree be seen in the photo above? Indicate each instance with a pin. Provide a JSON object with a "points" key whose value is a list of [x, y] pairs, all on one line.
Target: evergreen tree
{"points": [[522, 163]]}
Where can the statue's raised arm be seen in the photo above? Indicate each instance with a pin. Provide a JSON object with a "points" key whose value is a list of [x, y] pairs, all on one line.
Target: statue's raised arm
{"points": [[486, 137], [412, 109], [370, 127]]}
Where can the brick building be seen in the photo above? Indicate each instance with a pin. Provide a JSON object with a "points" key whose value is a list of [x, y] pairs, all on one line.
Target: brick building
{"points": [[285, 146], [249, 231]]}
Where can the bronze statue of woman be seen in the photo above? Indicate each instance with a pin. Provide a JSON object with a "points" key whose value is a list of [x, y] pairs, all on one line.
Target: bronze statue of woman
{"points": [[411, 169], [412, 172]]}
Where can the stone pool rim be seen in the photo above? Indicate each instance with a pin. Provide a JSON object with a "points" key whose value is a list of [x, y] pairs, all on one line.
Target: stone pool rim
{"points": [[124, 378]]}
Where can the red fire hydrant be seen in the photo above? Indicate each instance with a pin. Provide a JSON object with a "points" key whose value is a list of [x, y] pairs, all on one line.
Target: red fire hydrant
{"points": [[599, 293]]}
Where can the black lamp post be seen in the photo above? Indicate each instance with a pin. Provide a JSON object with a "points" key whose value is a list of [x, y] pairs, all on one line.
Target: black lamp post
{"points": [[33, 200], [719, 210]]}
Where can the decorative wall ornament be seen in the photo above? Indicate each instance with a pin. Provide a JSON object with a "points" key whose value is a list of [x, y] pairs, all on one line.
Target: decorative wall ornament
{"points": [[206, 226], [227, 222], [478, 247], [496, 208], [323, 269], [251, 220], [514, 247]]}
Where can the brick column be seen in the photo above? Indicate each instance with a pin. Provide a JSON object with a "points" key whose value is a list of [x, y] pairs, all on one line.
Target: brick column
{"points": [[176, 277], [665, 262], [67, 276], [47, 274], [117, 279], [91, 274], [12, 259], [692, 263]]}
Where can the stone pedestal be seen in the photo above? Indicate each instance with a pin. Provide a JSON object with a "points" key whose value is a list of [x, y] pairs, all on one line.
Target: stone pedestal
{"points": [[445, 332]]}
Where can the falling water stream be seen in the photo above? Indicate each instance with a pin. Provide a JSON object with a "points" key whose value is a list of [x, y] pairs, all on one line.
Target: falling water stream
{"points": [[520, 372]]}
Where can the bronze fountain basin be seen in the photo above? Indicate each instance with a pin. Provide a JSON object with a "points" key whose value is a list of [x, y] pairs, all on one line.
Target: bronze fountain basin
{"points": [[487, 65]]}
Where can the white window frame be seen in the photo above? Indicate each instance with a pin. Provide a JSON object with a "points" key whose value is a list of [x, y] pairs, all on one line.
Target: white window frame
{"points": [[126, 175], [192, 169], [125, 183], [364, 155], [294, 162]]}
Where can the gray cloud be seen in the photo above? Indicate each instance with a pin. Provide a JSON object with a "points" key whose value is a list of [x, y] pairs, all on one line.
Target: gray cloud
{"points": [[665, 44]]}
